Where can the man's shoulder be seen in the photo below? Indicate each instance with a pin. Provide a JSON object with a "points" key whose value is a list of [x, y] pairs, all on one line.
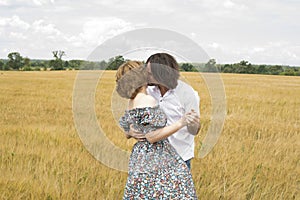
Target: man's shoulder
{"points": [[186, 92], [183, 86]]}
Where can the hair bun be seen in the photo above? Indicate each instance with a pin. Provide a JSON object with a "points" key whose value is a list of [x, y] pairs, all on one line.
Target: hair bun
{"points": [[131, 81]]}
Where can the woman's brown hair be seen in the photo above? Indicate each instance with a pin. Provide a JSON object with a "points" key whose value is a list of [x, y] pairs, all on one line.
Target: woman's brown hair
{"points": [[130, 77]]}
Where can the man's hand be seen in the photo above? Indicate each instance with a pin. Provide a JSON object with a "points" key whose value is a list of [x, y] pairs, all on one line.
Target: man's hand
{"points": [[135, 134], [193, 120]]}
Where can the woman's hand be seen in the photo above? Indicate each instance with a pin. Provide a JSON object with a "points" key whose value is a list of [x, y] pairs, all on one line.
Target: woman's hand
{"points": [[135, 134], [184, 120]]}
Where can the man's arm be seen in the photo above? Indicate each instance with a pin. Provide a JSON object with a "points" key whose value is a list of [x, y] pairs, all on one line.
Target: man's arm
{"points": [[190, 102]]}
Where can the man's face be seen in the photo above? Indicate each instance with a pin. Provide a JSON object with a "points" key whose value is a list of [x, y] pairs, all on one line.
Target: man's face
{"points": [[151, 80]]}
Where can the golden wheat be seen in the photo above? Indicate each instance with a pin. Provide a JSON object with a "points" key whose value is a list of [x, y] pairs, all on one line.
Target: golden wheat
{"points": [[42, 157]]}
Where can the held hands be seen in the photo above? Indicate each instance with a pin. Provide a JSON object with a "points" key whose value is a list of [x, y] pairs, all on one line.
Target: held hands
{"points": [[135, 134], [192, 121], [192, 118]]}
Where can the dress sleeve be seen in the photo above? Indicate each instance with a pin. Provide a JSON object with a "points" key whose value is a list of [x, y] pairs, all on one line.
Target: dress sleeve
{"points": [[124, 122]]}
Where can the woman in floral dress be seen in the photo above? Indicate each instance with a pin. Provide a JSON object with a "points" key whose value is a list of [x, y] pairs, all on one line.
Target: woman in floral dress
{"points": [[156, 171]]}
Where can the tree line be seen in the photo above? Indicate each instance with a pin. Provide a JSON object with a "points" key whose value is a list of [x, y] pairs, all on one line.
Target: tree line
{"points": [[16, 62], [242, 67]]}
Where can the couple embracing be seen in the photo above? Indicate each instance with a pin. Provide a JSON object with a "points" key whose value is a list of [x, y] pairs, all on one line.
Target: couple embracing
{"points": [[163, 116]]}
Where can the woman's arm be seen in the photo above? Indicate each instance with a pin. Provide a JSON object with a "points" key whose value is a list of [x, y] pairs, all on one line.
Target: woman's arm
{"points": [[163, 133]]}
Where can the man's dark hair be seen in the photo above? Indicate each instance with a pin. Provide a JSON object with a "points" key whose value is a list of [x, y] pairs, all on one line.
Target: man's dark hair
{"points": [[165, 69]]}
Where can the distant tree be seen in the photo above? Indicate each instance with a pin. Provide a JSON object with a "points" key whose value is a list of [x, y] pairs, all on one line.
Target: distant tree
{"points": [[114, 63], [188, 67], [275, 69], [210, 66], [66, 64], [58, 54], [245, 67], [227, 68], [57, 63], [87, 65], [75, 64], [15, 60], [27, 62], [262, 69], [289, 72], [244, 63], [27, 65], [103, 64], [2, 65]]}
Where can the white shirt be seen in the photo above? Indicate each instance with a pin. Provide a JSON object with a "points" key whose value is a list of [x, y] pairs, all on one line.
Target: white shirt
{"points": [[175, 103]]}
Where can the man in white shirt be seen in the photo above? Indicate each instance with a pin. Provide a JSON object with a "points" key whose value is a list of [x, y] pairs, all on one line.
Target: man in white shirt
{"points": [[176, 98]]}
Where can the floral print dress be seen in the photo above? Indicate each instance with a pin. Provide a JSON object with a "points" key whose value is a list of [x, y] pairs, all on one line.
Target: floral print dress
{"points": [[156, 171]]}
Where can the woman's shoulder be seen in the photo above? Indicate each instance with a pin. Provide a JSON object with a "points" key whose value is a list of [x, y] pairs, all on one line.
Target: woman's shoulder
{"points": [[150, 100], [144, 101]]}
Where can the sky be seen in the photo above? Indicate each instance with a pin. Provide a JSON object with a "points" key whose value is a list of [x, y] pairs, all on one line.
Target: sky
{"points": [[259, 31]]}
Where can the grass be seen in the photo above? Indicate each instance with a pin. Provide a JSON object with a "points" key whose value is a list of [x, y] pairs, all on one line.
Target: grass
{"points": [[42, 157]]}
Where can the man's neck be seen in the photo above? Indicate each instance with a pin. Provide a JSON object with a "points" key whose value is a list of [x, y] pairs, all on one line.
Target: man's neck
{"points": [[163, 90]]}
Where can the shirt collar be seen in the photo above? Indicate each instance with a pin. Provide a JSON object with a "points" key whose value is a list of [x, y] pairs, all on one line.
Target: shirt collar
{"points": [[156, 90]]}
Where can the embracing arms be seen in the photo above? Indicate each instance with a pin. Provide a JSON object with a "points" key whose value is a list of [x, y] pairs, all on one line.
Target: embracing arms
{"points": [[163, 133]]}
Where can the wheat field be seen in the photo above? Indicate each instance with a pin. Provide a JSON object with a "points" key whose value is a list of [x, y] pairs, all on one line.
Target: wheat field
{"points": [[42, 157]]}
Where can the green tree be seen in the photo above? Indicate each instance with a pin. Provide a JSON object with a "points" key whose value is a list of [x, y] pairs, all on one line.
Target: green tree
{"points": [[227, 68], [27, 62], [289, 72], [2, 65], [275, 69], [57, 63], [188, 67], [210, 66], [245, 67], [262, 69], [103, 64], [75, 64], [66, 64], [27, 65], [87, 65], [114, 63], [15, 60]]}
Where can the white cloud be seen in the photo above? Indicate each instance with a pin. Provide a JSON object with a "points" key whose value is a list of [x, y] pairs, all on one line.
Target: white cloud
{"points": [[40, 26], [214, 45], [230, 30], [228, 4], [94, 28], [14, 22], [15, 35], [42, 2], [21, 3], [275, 52], [97, 30], [4, 2], [232, 5]]}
